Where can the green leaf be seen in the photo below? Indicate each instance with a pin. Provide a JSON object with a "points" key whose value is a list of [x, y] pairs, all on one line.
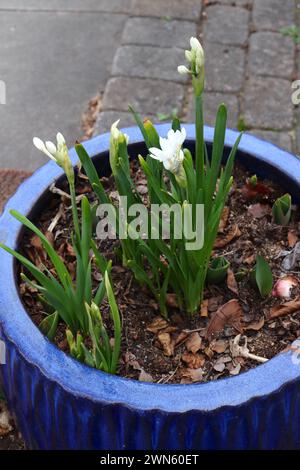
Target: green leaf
{"points": [[92, 174], [263, 276], [217, 270], [61, 270], [282, 209], [48, 325]]}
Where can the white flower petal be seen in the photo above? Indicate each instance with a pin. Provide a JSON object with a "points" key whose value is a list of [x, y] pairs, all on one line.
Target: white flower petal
{"points": [[157, 154], [60, 138], [114, 130], [51, 147], [182, 69], [38, 143]]}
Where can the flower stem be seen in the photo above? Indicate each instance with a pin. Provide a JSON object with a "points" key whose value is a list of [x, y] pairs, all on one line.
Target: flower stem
{"points": [[74, 210], [199, 142]]}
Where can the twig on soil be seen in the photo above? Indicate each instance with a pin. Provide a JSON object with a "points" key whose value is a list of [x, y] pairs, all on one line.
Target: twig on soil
{"points": [[56, 219], [243, 351]]}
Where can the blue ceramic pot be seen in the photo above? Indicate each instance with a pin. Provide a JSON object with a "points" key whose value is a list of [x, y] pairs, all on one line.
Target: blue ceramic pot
{"points": [[60, 403]]}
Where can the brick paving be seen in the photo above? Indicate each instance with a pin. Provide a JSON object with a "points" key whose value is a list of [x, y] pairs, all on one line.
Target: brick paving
{"points": [[250, 65]]}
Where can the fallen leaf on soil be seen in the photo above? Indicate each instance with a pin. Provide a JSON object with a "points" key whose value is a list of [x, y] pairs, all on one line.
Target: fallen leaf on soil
{"points": [[224, 219], [157, 324], [219, 366], [284, 309], [5, 426], [231, 282], [218, 346], [284, 286], [228, 314], [214, 302], [191, 375], [181, 338], [166, 343], [194, 361], [131, 360], [234, 232], [236, 370], [251, 191], [204, 308], [292, 258], [258, 211], [250, 259], [255, 326], [171, 300], [193, 343], [292, 238], [145, 377]]}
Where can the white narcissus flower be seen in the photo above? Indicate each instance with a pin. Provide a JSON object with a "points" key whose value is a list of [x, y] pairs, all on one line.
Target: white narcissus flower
{"points": [[195, 57], [196, 54], [115, 133], [170, 153], [183, 70], [58, 153]]}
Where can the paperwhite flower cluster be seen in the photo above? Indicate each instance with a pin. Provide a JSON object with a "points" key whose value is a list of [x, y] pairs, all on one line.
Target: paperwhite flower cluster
{"points": [[58, 153]]}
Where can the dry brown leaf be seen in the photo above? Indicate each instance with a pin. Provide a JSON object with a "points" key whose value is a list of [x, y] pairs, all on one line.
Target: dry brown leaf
{"points": [[157, 324], [228, 314], [191, 375], [193, 343], [166, 343], [219, 366], [251, 191], [284, 309], [145, 377], [292, 238], [255, 326], [224, 219], [231, 282], [131, 360], [219, 346], [258, 211], [181, 338], [5, 420], [214, 302], [234, 232], [194, 361], [204, 308], [250, 259]]}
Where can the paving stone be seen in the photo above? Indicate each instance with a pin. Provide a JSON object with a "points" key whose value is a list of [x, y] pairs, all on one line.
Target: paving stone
{"points": [[145, 95], [267, 103], [226, 25], [106, 118], [241, 3], [225, 67], [158, 32], [181, 9], [111, 6], [149, 62], [211, 102], [273, 14], [271, 54], [52, 65], [281, 139]]}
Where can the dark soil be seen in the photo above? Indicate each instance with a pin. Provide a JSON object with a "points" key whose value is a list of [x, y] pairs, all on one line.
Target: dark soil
{"points": [[154, 349]]}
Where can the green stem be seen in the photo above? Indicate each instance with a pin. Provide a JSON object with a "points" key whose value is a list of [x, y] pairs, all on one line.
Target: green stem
{"points": [[200, 157], [74, 210]]}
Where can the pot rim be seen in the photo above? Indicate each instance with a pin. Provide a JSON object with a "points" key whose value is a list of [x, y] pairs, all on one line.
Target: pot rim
{"points": [[98, 386]]}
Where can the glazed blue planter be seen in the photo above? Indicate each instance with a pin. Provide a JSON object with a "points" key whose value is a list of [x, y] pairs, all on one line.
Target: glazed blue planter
{"points": [[60, 403]]}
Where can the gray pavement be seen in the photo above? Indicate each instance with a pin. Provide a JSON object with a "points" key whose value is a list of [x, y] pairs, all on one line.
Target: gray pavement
{"points": [[57, 54], [54, 56]]}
